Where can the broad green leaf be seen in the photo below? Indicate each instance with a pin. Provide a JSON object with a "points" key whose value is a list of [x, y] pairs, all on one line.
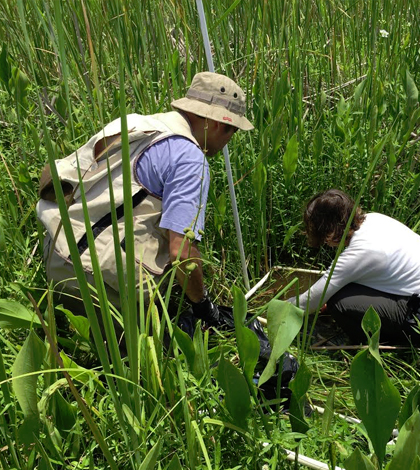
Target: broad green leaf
{"points": [[357, 461], [65, 413], [299, 387], [290, 159], [392, 159], [342, 106], [259, 178], [328, 415], [412, 402], [340, 129], [21, 86], [371, 324], [280, 91], [77, 372], [284, 322], [220, 211], [290, 232], [200, 366], [237, 397], [376, 398], [249, 350], [79, 323], [3, 244], [149, 462], [407, 447], [132, 420], [416, 463], [15, 315], [277, 136], [247, 341], [359, 90], [52, 403], [29, 359], [240, 306], [175, 464], [318, 144], [24, 175], [411, 91], [5, 69], [186, 345]]}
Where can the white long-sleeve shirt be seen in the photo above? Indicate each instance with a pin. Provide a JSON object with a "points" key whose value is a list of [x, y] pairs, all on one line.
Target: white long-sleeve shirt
{"points": [[383, 254]]}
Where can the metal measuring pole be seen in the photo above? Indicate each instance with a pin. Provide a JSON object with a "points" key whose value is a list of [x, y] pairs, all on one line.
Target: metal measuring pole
{"points": [[209, 57]]}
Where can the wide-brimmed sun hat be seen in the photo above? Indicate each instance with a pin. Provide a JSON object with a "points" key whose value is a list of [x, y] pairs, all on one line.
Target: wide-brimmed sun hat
{"points": [[216, 97]]}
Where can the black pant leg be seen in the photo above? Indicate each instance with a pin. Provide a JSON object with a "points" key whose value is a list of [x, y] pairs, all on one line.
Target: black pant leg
{"points": [[349, 305]]}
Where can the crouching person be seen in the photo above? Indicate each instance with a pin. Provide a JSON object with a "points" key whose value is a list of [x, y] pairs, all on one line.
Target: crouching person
{"points": [[379, 267], [169, 186]]}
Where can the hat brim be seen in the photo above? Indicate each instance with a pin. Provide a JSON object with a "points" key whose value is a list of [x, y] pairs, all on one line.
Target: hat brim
{"points": [[215, 112]]}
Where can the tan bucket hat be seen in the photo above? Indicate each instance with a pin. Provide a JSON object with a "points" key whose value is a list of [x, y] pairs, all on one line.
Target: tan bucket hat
{"points": [[216, 97]]}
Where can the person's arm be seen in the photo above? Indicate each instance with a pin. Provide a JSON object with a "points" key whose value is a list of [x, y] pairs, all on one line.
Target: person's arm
{"points": [[356, 263], [202, 306], [195, 285]]}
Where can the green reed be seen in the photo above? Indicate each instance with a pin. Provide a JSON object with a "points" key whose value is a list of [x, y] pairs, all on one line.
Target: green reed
{"points": [[327, 93]]}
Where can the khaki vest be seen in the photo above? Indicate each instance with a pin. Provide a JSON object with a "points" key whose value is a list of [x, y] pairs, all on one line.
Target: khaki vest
{"points": [[151, 242]]}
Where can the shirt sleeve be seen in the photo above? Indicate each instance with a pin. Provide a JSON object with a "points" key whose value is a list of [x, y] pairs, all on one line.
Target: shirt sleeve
{"points": [[185, 197], [354, 264], [176, 170]]}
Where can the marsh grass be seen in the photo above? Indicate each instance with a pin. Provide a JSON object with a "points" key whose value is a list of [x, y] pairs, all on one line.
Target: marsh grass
{"points": [[334, 103]]}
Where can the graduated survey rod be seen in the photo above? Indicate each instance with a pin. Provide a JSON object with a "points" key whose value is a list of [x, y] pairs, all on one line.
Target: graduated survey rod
{"points": [[209, 58]]}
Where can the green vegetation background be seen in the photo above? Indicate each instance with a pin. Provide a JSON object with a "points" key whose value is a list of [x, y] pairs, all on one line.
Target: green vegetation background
{"points": [[331, 89]]}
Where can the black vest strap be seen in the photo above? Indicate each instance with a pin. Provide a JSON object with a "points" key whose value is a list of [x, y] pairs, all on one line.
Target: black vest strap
{"points": [[106, 221]]}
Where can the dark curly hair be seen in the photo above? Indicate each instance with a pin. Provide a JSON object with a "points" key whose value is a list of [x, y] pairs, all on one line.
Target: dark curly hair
{"points": [[326, 216]]}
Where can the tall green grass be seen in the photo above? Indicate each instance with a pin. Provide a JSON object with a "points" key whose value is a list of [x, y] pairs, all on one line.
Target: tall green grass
{"points": [[334, 103]]}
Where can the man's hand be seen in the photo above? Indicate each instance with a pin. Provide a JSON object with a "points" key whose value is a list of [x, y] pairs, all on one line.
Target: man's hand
{"points": [[206, 310]]}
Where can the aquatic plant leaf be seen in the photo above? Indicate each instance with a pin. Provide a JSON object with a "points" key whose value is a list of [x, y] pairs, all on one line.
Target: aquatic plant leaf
{"points": [[200, 366], [318, 144], [132, 419], [79, 323], [5, 68], [290, 232], [416, 463], [284, 322], [376, 398], [371, 324], [358, 461], [15, 315], [411, 91], [359, 90], [29, 359], [328, 415], [149, 462], [220, 211], [175, 464], [52, 403], [65, 413], [237, 396], [407, 447], [247, 341], [290, 159], [186, 345], [77, 372], [299, 387], [412, 402], [3, 243]]}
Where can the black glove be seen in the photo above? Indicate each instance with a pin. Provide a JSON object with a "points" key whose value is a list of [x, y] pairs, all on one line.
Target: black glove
{"points": [[206, 310]]}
